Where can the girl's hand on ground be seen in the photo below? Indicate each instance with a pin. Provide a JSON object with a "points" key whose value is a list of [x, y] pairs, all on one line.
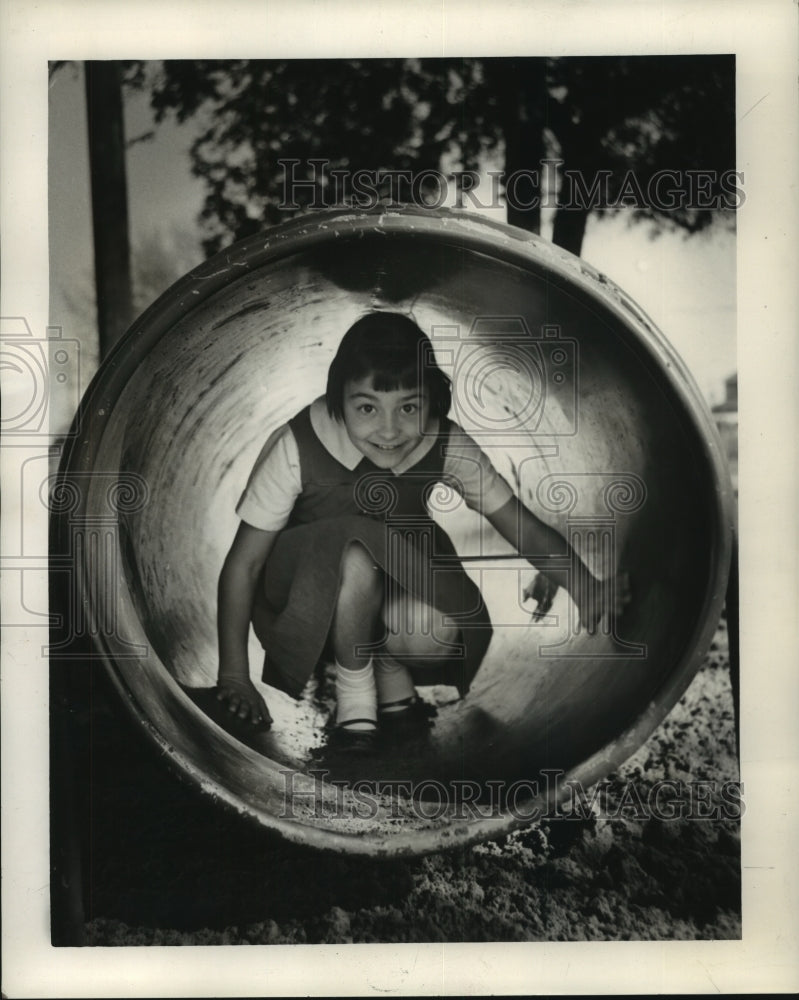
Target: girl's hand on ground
{"points": [[601, 599], [243, 701], [541, 590]]}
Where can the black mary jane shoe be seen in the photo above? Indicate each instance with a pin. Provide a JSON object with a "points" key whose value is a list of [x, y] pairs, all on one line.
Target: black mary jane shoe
{"points": [[344, 739], [410, 715]]}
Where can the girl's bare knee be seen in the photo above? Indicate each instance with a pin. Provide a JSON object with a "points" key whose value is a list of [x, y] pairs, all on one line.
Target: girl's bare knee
{"points": [[359, 573], [417, 630], [447, 633]]}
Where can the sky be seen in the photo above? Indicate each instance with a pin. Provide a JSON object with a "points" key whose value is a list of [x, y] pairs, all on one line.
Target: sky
{"points": [[686, 284]]}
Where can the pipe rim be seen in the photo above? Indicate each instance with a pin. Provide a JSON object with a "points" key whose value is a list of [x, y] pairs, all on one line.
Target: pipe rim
{"points": [[509, 245]]}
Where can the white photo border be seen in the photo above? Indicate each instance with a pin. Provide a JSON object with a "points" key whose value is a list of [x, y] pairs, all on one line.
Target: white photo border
{"points": [[764, 41]]}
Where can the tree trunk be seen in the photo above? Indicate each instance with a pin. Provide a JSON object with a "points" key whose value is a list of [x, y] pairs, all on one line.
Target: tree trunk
{"points": [[522, 95], [578, 145], [568, 228], [109, 201]]}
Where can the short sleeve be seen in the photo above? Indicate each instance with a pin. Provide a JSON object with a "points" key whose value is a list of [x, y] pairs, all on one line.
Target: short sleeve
{"points": [[274, 484], [474, 475]]}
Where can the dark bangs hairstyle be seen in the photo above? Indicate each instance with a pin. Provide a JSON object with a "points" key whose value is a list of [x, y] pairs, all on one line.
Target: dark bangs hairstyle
{"points": [[396, 353]]}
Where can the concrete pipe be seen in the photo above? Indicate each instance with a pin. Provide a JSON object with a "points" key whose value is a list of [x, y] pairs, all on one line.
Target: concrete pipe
{"points": [[581, 404]]}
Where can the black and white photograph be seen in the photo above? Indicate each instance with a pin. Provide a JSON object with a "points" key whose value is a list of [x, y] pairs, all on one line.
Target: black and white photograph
{"points": [[375, 549]]}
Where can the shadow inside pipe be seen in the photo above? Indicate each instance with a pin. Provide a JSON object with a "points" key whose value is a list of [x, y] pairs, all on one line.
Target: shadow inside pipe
{"points": [[188, 414], [482, 760]]}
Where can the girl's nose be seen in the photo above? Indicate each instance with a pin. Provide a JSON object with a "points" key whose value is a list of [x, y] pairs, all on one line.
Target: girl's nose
{"points": [[389, 426]]}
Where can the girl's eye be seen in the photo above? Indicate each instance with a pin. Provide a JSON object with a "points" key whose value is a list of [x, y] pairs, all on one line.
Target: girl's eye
{"points": [[366, 408], [410, 408]]}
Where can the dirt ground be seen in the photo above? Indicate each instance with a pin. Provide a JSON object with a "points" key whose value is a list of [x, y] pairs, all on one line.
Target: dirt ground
{"points": [[162, 866]]}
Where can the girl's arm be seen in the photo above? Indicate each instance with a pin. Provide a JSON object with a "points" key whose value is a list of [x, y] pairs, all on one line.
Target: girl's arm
{"points": [[237, 583], [535, 540]]}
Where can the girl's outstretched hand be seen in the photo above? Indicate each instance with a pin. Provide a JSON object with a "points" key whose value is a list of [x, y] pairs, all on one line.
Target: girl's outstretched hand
{"points": [[542, 590], [597, 599], [244, 701]]}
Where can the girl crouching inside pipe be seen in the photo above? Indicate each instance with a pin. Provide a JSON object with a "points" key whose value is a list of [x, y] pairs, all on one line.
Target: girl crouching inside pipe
{"points": [[337, 555]]}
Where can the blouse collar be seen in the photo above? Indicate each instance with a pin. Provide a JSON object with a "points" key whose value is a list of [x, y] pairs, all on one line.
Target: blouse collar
{"points": [[333, 435]]}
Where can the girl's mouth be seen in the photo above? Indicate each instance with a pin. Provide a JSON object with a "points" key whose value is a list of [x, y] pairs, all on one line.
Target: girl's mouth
{"points": [[386, 447]]}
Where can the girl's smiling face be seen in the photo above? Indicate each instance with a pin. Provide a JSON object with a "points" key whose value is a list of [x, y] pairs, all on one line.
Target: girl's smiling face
{"points": [[385, 426]]}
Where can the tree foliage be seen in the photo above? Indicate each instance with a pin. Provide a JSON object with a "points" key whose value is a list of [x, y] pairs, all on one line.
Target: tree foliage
{"points": [[621, 121], [637, 119]]}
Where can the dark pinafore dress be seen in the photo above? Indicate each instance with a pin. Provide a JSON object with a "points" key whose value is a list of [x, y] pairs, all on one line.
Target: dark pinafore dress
{"points": [[387, 514]]}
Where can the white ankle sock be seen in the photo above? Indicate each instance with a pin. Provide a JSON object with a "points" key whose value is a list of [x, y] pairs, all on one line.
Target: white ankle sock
{"points": [[394, 683], [356, 698]]}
